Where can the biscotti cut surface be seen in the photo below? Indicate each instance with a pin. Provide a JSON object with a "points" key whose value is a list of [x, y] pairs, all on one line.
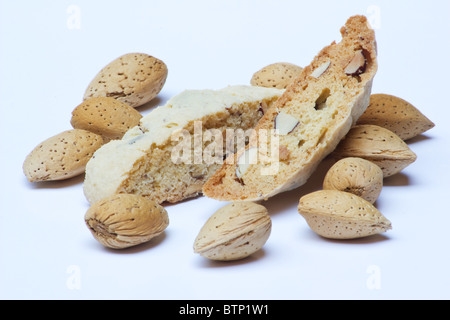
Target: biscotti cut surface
{"points": [[142, 161], [313, 115]]}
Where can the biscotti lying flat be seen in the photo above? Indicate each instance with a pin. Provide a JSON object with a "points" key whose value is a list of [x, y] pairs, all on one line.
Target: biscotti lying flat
{"points": [[313, 115], [164, 157]]}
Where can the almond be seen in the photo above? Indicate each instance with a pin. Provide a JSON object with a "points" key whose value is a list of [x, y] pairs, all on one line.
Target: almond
{"points": [[133, 78], [378, 145], [284, 153], [397, 115], [277, 75], [285, 123], [62, 156], [341, 215], [357, 65], [105, 116], [234, 232], [125, 220], [355, 175]]}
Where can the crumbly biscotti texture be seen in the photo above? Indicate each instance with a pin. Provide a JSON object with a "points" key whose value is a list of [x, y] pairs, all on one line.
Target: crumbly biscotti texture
{"points": [[149, 160], [313, 115]]}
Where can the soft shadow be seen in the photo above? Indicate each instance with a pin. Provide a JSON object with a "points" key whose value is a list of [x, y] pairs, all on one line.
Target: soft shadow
{"points": [[419, 138], [289, 199], [207, 263], [135, 249], [397, 180], [57, 184], [157, 101], [169, 204]]}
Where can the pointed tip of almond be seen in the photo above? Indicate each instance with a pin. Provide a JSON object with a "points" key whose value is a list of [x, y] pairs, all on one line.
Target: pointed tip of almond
{"points": [[341, 215], [234, 232], [397, 115]]}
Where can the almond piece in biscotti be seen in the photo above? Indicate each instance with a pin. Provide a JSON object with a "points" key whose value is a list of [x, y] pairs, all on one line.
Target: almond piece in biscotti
{"points": [[62, 156], [134, 78], [341, 215], [105, 116], [397, 115], [277, 75], [378, 145]]}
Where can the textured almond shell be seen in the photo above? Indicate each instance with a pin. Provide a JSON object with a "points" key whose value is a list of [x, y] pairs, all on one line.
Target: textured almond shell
{"points": [[62, 156], [134, 78], [341, 215], [378, 145], [105, 116], [355, 175], [125, 220], [234, 232], [397, 115], [277, 75]]}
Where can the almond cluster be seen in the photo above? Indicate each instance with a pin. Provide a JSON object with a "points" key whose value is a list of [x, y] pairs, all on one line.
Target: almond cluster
{"points": [[106, 113]]}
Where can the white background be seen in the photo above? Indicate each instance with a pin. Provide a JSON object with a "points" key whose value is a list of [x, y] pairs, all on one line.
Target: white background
{"points": [[50, 51]]}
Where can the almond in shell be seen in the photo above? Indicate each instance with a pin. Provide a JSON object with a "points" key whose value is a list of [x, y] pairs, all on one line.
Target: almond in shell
{"points": [[378, 145], [234, 232], [341, 215]]}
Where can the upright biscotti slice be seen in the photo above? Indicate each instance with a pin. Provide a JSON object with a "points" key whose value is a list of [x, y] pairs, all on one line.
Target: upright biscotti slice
{"points": [[175, 148], [313, 115]]}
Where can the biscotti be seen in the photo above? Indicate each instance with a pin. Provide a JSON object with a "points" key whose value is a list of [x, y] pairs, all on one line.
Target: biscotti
{"points": [[151, 160], [396, 115], [313, 115]]}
